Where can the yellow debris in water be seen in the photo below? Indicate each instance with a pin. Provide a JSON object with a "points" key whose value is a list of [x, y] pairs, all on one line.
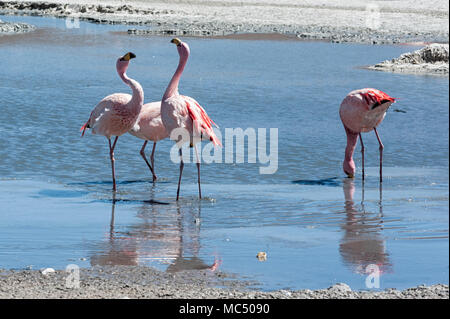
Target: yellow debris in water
{"points": [[262, 256]]}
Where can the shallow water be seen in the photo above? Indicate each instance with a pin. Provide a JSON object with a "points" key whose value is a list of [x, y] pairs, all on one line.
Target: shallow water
{"points": [[317, 227]]}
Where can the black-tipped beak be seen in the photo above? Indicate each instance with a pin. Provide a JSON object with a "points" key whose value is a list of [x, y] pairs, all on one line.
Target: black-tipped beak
{"points": [[128, 56], [176, 41], [350, 175]]}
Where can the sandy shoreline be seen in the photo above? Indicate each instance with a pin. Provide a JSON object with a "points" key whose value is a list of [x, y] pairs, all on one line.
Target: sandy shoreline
{"points": [[143, 282], [336, 21]]}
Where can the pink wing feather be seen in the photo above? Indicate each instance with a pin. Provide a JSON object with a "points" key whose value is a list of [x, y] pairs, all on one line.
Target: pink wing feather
{"points": [[202, 121]]}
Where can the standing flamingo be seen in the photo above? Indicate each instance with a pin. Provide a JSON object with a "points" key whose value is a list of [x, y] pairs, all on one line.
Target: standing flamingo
{"points": [[362, 111], [117, 113], [179, 111], [149, 127]]}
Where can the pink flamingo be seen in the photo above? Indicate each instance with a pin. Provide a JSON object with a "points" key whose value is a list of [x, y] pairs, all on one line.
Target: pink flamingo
{"points": [[117, 113], [149, 127], [362, 111], [179, 111]]}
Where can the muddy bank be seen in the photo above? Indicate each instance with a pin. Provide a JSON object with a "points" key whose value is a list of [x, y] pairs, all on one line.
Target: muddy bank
{"points": [[143, 282], [7, 28], [432, 59], [335, 21]]}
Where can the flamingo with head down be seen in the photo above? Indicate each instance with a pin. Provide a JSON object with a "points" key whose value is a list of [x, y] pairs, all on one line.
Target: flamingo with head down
{"points": [[362, 111], [117, 113], [179, 111]]}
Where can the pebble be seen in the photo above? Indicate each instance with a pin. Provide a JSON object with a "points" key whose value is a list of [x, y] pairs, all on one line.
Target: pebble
{"points": [[340, 287], [47, 271], [127, 281]]}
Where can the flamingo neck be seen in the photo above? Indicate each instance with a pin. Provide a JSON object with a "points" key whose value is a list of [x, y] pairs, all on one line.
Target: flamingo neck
{"points": [[172, 88], [137, 98], [352, 139]]}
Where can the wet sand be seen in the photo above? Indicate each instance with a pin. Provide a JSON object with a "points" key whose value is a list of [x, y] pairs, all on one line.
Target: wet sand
{"points": [[142, 282], [336, 21]]}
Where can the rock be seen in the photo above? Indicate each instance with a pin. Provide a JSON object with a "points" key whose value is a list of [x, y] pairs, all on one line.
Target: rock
{"points": [[6, 27], [431, 59], [340, 288], [47, 271]]}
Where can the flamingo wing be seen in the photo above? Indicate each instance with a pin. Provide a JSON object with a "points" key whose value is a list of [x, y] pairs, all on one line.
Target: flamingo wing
{"points": [[202, 123], [375, 98], [109, 110]]}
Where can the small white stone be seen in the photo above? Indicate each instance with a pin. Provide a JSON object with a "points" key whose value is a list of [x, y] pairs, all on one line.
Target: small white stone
{"points": [[47, 271], [287, 293], [340, 287]]}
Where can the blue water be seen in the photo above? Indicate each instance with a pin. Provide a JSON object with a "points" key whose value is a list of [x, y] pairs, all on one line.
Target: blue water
{"points": [[317, 227]]}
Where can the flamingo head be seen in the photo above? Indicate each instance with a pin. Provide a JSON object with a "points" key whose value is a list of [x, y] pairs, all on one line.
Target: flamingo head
{"points": [[123, 61], [182, 47], [349, 168]]}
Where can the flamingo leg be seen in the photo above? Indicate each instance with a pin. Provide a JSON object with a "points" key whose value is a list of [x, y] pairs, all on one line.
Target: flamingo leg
{"points": [[381, 154], [181, 171], [362, 153], [152, 160], [111, 156], [198, 172], [142, 152]]}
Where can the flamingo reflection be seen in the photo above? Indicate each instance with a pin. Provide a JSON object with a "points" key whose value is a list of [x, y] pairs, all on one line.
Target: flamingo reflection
{"points": [[362, 243], [165, 234]]}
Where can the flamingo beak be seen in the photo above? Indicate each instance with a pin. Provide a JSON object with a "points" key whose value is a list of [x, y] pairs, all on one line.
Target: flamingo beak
{"points": [[350, 175], [176, 41], [128, 56]]}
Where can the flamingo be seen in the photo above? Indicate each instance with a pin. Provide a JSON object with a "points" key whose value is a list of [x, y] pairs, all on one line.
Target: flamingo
{"points": [[149, 127], [179, 111], [362, 111], [117, 113]]}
